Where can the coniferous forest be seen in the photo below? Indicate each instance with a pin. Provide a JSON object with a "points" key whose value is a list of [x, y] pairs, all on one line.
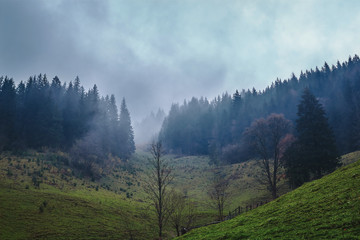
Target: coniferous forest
{"points": [[295, 129], [39, 113], [179, 119], [42, 114], [216, 127]]}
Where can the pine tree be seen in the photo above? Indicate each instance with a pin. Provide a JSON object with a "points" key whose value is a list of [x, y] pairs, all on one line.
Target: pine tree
{"points": [[236, 127], [113, 118], [126, 133], [314, 153], [7, 112], [70, 115]]}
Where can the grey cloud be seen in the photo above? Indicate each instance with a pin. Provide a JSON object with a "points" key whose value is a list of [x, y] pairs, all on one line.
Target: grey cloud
{"points": [[157, 52]]}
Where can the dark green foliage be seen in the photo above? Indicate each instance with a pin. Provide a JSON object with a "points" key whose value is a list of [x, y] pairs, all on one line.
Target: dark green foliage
{"points": [[35, 181], [215, 127], [9, 173], [315, 136], [314, 152], [188, 129], [7, 112], [296, 172], [39, 114], [41, 209], [126, 134]]}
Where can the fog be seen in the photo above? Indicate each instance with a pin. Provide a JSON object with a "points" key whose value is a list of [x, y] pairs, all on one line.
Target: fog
{"points": [[157, 52]]}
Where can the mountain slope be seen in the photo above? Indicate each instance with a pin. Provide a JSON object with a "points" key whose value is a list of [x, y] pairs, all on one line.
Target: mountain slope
{"points": [[328, 208], [52, 214], [40, 198]]}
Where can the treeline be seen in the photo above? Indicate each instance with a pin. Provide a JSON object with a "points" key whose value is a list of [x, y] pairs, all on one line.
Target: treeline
{"points": [[41, 114], [216, 127]]}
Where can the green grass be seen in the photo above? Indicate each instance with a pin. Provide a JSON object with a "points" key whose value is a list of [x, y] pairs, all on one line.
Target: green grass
{"points": [[51, 214], [328, 208], [111, 207], [192, 175], [65, 206], [69, 206]]}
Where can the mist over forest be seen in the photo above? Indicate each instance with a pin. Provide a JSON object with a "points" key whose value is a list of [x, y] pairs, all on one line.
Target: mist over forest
{"points": [[42, 114], [181, 119], [167, 51], [215, 127], [294, 131], [39, 113]]}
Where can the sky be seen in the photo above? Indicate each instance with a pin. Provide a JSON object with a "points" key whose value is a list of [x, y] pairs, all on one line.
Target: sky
{"points": [[158, 52]]}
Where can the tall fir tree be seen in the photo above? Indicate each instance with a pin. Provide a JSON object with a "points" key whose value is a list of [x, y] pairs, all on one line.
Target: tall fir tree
{"points": [[314, 152], [7, 112], [113, 117], [126, 133]]}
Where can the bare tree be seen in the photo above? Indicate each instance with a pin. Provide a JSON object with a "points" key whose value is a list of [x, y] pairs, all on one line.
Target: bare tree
{"points": [[157, 186], [264, 137], [219, 194], [183, 212]]}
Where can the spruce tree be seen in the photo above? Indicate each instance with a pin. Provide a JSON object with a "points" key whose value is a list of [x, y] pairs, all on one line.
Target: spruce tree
{"points": [[7, 112], [113, 118], [314, 153], [126, 133]]}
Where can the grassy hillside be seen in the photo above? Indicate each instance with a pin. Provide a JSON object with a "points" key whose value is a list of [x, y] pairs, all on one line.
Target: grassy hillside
{"points": [[328, 208], [193, 174], [42, 197], [52, 214]]}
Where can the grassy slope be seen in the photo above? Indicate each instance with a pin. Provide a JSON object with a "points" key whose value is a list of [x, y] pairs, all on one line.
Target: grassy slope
{"points": [[328, 208], [193, 175], [111, 208], [76, 215], [65, 207], [79, 207]]}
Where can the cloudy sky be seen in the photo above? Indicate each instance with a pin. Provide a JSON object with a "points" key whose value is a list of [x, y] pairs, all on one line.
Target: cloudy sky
{"points": [[155, 52]]}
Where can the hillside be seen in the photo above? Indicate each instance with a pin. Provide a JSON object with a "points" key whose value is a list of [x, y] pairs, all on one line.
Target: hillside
{"points": [[41, 196], [328, 208], [193, 175]]}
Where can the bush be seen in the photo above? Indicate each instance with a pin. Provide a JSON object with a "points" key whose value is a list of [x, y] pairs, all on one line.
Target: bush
{"points": [[41, 209], [235, 153], [35, 181], [9, 173], [63, 160]]}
